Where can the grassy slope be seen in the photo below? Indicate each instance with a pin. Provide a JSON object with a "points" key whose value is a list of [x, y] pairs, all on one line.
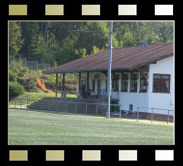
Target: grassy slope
{"points": [[36, 96], [48, 128]]}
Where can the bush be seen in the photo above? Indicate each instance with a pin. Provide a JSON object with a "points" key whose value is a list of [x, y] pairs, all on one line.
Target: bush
{"points": [[32, 85], [21, 74], [15, 70], [34, 75], [12, 76], [15, 89], [15, 64], [25, 70]]}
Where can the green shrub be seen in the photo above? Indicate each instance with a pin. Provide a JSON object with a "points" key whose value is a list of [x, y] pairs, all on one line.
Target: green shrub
{"points": [[16, 64], [15, 89], [23, 73], [25, 70], [39, 73], [34, 75], [32, 85], [15, 70], [12, 76]]}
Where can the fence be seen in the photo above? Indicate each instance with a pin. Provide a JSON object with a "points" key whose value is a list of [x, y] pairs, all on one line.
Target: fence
{"points": [[84, 94], [86, 108], [21, 103], [43, 66], [101, 94], [13, 59], [150, 114], [33, 65], [97, 109]]}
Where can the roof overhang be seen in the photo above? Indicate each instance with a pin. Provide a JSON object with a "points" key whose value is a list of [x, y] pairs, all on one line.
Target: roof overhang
{"points": [[85, 70], [134, 59], [152, 61]]}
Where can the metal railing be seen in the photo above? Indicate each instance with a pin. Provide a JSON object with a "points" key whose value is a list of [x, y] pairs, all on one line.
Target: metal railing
{"points": [[86, 108], [152, 112], [84, 94], [101, 94], [21, 103], [34, 65], [63, 106]]}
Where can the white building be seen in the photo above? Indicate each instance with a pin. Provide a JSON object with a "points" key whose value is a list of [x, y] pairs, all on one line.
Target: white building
{"points": [[141, 77]]}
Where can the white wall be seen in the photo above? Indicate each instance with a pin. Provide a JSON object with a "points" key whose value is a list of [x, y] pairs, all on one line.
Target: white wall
{"points": [[139, 99], [162, 100]]}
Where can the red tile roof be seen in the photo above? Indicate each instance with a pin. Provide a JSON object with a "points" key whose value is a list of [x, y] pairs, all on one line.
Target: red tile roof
{"points": [[126, 58]]}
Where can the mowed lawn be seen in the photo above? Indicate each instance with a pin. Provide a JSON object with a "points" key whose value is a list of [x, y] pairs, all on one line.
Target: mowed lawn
{"points": [[27, 127]]}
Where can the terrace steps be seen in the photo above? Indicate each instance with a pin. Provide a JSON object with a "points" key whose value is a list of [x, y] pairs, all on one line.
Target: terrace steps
{"points": [[71, 105]]}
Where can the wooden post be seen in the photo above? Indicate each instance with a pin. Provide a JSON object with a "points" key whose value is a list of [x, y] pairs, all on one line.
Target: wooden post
{"points": [[79, 81], [56, 84], [137, 114], [152, 114], [168, 117], [87, 81], [87, 87], [63, 82]]}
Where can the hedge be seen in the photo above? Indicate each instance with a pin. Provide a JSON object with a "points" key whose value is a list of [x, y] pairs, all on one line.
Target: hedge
{"points": [[15, 89]]}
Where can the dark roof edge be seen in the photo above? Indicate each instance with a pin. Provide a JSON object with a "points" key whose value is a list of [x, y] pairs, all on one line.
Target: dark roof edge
{"points": [[97, 70], [84, 70], [157, 59]]}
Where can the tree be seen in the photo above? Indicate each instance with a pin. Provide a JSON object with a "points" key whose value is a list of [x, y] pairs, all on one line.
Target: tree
{"points": [[128, 39], [30, 32], [38, 48], [55, 43], [15, 38], [164, 31]]}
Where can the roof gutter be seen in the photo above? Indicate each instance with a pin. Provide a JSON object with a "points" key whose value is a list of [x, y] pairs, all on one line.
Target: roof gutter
{"points": [[157, 59], [83, 70], [113, 69]]}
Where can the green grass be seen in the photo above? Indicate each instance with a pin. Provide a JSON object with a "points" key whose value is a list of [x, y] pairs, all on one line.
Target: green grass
{"points": [[36, 96], [51, 128]]}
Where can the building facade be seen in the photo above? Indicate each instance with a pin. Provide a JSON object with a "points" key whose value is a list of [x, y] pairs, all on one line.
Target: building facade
{"points": [[142, 78], [153, 88]]}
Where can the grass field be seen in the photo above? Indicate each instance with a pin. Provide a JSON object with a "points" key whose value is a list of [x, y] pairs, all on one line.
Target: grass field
{"points": [[51, 128], [36, 96]]}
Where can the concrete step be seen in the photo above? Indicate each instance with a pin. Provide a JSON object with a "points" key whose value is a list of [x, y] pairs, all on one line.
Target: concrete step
{"points": [[71, 105]]}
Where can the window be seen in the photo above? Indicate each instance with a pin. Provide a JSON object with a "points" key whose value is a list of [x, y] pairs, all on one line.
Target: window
{"points": [[115, 82], [93, 85], [143, 82], [161, 83], [131, 107], [124, 82], [133, 82]]}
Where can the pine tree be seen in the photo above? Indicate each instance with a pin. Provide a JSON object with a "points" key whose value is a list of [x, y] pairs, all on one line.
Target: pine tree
{"points": [[55, 43], [15, 39]]}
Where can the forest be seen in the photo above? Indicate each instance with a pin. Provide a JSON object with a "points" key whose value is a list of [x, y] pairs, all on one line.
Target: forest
{"points": [[56, 43]]}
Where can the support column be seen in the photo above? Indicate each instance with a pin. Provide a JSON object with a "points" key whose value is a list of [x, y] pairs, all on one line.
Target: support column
{"points": [[79, 81], [87, 85], [109, 69], [63, 82], [87, 82], [56, 85]]}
